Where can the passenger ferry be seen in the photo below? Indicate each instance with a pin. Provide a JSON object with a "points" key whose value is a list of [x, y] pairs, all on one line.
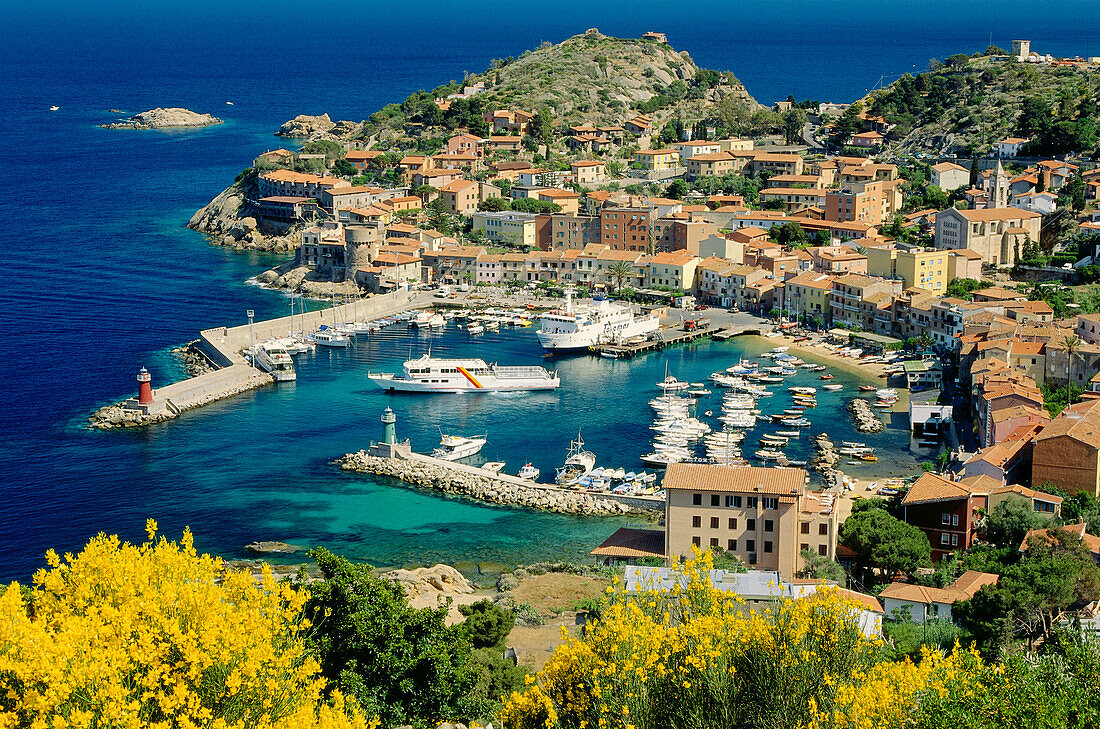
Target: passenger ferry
{"points": [[431, 374], [569, 329]]}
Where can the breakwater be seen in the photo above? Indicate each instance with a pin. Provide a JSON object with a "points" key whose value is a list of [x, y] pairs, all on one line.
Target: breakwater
{"points": [[227, 372], [451, 478], [866, 420]]}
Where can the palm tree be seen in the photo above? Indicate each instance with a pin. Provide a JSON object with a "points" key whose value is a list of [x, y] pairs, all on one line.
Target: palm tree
{"points": [[620, 271], [1072, 344], [925, 341]]}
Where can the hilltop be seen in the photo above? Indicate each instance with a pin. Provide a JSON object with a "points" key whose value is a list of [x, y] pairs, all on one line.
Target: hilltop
{"points": [[587, 78], [969, 102]]}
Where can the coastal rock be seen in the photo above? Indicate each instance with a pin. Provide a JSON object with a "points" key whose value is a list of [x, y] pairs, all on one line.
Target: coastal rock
{"points": [[170, 118], [507, 582], [228, 221], [193, 359], [304, 125], [439, 579], [272, 548], [866, 420]]}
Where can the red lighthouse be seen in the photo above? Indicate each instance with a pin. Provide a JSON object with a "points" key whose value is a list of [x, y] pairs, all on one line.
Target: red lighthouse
{"points": [[145, 387]]}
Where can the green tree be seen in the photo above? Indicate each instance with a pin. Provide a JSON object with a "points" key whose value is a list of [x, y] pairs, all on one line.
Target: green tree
{"points": [[343, 168], [486, 625], [677, 189], [963, 288], [494, 204], [789, 234], [332, 150], [424, 192], [885, 543], [848, 124], [405, 664], [935, 197], [816, 567], [542, 126], [793, 121], [1009, 522]]}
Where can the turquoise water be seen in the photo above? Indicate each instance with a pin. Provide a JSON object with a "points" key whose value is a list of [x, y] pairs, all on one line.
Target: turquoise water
{"points": [[260, 465]]}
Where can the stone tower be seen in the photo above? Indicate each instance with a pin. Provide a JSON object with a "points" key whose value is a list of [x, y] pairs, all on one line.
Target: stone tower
{"points": [[998, 188]]}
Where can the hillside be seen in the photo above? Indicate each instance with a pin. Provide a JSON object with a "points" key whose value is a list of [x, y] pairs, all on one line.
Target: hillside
{"points": [[588, 78], [969, 102]]}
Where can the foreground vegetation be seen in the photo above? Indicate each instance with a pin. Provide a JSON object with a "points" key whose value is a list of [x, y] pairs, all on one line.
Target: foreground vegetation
{"points": [[693, 656]]}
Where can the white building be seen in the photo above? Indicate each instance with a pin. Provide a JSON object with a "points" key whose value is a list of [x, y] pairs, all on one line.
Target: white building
{"points": [[1037, 202], [950, 176], [932, 603], [1008, 148]]}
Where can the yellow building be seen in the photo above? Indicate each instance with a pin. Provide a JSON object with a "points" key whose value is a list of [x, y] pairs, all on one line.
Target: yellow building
{"points": [[806, 296], [653, 160], [921, 267]]}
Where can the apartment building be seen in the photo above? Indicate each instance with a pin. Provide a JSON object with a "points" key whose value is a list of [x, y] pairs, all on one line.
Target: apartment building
{"points": [[506, 227], [626, 228], [847, 296], [673, 269], [764, 516]]}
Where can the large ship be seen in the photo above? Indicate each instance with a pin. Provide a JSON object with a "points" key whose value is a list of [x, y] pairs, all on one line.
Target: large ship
{"points": [[584, 327], [273, 357], [430, 374]]}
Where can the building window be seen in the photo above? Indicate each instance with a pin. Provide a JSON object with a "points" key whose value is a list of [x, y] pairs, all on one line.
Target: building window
{"points": [[769, 525], [695, 542], [714, 542], [750, 502], [696, 499], [731, 545], [771, 503], [767, 547], [805, 527], [715, 500], [954, 520], [804, 547], [696, 521], [733, 501], [714, 522], [954, 540], [822, 529], [752, 558], [944, 538], [733, 523], [750, 524], [945, 518], [822, 549], [750, 545]]}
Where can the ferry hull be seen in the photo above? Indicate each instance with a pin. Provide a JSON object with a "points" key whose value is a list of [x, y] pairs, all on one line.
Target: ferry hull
{"points": [[395, 385]]}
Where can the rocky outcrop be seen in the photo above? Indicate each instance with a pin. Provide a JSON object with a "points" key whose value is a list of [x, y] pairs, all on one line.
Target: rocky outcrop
{"points": [[227, 221], [193, 359], [483, 488], [866, 420], [272, 548], [171, 118], [305, 126], [300, 279]]}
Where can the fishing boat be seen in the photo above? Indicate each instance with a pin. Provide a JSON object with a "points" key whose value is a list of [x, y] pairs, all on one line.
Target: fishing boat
{"points": [[328, 337], [867, 388], [789, 433], [528, 472], [825, 377], [455, 447], [475, 328], [868, 457], [803, 390], [768, 455], [699, 392], [671, 384], [796, 422], [578, 462]]}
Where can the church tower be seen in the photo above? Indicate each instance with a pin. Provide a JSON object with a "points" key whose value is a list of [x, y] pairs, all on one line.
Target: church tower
{"points": [[998, 188]]}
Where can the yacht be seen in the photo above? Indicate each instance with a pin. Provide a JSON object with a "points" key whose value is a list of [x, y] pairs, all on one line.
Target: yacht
{"points": [[328, 337], [427, 319], [584, 327], [273, 357], [454, 447], [431, 374], [528, 472]]}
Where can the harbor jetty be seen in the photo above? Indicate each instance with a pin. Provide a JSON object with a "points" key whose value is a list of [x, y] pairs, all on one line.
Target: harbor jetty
{"points": [[229, 372], [422, 471], [866, 420]]}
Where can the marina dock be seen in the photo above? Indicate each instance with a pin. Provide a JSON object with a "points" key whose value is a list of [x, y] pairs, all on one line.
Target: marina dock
{"points": [[665, 337], [233, 374]]}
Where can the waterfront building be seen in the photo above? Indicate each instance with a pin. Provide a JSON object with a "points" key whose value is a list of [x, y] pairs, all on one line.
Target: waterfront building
{"points": [[567, 231], [806, 297], [915, 268], [840, 259], [848, 294], [673, 269], [453, 264], [764, 516], [626, 229], [948, 512], [288, 183]]}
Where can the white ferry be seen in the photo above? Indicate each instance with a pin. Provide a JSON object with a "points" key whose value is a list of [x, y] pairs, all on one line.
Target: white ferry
{"points": [[273, 357], [430, 374], [566, 329]]}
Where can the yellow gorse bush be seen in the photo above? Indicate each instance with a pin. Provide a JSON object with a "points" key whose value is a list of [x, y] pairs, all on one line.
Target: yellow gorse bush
{"points": [[156, 635], [696, 656]]}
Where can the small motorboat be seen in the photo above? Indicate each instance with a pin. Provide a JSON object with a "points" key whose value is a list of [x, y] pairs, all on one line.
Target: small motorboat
{"points": [[609, 355], [867, 388], [54, 108], [494, 466], [474, 328], [528, 472], [833, 388], [825, 377]]}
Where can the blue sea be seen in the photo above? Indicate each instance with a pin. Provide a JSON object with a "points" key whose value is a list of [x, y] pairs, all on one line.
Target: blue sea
{"points": [[104, 278]]}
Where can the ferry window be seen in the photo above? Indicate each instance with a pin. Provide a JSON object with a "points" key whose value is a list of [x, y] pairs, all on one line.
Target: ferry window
{"points": [[696, 499], [715, 500], [696, 521]]}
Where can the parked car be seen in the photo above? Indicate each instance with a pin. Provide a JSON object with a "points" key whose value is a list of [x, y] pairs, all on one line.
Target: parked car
{"points": [[701, 307]]}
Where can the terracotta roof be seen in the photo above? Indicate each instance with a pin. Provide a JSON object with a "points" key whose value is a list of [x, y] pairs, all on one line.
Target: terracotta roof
{"points": [[931, 487], [997, 214], [628, 542], [739, 479], [1091, 542], [1027, 493], [945, 166], [964, 588], [1080, 421]]}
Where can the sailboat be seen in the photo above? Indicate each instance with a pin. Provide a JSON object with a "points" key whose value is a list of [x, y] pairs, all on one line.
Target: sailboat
{"points": [[54, 108]]}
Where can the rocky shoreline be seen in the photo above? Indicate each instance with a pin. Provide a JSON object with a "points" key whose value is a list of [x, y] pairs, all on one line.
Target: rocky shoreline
{"points": [[194, 361], [166, 118], [109, 417], [226, 223], [485, 488]]}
